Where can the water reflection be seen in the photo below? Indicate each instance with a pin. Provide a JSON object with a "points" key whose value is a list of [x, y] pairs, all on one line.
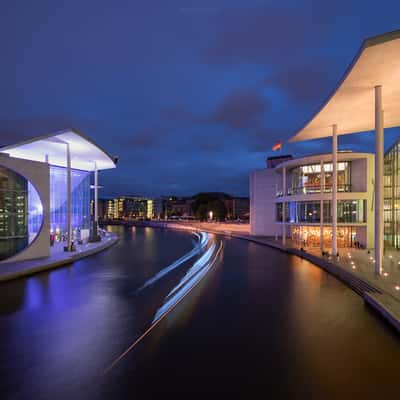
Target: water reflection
{"points": [[259, 320]]}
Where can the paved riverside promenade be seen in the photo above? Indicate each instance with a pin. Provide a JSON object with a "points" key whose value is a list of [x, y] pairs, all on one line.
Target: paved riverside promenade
{"points": [[58, 257], [355, 267]]}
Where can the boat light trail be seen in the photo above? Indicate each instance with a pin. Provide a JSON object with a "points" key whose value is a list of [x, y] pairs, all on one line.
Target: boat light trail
{"points": [[194, 275], [187, 284], [204, 238]]}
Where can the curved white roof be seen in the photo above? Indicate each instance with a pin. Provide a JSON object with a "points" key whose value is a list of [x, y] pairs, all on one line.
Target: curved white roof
{"points": [[351, 105], [84, 153]]}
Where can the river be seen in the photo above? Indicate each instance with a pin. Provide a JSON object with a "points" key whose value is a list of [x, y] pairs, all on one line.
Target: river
{"points": [[259, 321]]}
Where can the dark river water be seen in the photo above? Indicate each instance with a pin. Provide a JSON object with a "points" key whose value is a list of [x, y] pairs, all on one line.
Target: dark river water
{"points": [[261, 324]]}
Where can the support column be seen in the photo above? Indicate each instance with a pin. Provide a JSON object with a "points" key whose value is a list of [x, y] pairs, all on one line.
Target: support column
{"points": [[284, 192], [321, 208], [379, 142], [334, 190], [69, 200], [94, 224], [96, 196]]}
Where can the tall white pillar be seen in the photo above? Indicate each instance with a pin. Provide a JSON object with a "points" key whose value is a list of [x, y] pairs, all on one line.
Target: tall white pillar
{"points": [[69, 199], [96, 195], [321, 208], [334, 190], [284, 192], [379, 143]]}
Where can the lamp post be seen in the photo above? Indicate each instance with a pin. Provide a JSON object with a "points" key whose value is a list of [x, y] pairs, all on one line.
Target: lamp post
{"points": [[210, 215]]}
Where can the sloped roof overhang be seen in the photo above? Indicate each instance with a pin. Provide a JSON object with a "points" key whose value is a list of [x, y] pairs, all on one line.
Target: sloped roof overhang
{"points": [[85, 154], [351, 106]]}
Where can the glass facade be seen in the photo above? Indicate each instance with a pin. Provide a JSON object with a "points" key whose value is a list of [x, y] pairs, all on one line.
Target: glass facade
{"points": [[310, 236], [35, 213], [21, 213], [392, 197], [349, 211], [80, 187], [307, 178]]}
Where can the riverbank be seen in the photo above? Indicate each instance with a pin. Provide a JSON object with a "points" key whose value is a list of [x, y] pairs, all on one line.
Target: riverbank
{"points": [[58, 258], [354, 268]]}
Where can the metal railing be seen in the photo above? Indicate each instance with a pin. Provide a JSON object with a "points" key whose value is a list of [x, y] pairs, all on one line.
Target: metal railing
{"points": [[310, 189]]}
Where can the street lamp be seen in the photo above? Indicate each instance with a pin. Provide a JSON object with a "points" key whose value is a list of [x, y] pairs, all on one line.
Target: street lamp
{"points": [[210, 215]]}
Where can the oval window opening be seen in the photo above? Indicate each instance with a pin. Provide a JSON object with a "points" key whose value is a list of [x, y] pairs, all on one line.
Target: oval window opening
{"points": [[21, 213]]}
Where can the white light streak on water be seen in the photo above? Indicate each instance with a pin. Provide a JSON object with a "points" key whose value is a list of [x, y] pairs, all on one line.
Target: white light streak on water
{"points": [[187, 283], [203, 237], [192, 277]]}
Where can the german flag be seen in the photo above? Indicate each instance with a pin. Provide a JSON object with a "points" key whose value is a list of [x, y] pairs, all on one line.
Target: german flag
{"points": [[277, 145]]}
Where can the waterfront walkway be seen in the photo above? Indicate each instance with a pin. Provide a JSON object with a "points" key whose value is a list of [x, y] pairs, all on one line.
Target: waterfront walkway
{"points": [[57, 258]]}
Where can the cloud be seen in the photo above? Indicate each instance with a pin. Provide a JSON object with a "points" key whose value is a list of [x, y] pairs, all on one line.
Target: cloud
{"points": [[307, 82], [241, 109], [143, 139]]}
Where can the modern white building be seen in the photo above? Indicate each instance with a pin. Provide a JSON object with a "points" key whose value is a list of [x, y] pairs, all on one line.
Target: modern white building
{"points": [[293, 200], [45, 194], [366, 99]]}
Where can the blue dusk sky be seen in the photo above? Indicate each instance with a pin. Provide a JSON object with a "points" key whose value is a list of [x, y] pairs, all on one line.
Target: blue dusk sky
{"points": [[190, 94]]}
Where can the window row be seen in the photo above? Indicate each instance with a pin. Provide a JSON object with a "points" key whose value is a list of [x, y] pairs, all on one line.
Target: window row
{"points": [[348, 211], [307, 178]]}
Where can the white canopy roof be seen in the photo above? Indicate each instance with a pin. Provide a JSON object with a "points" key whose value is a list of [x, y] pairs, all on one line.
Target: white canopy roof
{"points": [[84, 153], [351, 105]]}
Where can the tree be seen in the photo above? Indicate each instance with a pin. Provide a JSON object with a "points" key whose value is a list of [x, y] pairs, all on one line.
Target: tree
{"points": [[205, 202]]}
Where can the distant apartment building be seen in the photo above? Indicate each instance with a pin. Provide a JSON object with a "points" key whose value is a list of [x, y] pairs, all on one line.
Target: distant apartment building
{"points": [[111, 213], [102, 207], [132, 207], [237, 208], [172, 206], [125, 208], [160, 207], [180, 207]]}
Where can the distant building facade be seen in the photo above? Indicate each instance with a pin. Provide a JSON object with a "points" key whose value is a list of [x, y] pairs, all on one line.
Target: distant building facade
{"points": [[237, 208]]}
